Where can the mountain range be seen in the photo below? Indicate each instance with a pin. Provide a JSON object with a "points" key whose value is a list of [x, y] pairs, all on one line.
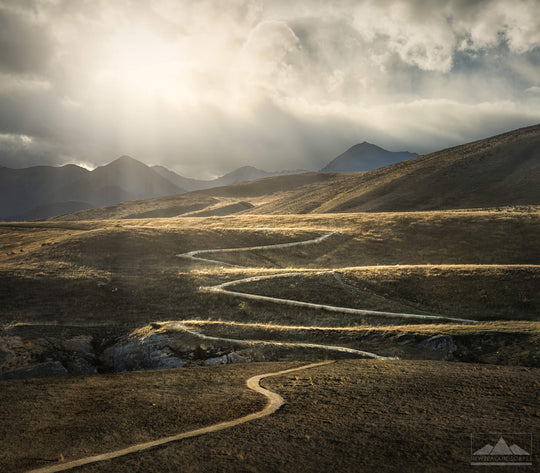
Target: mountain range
{"points": [[45, 191], [502, 170]]}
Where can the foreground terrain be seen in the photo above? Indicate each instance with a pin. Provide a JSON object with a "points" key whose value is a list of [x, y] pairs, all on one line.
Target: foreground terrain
{"points": [[431, 288], [347, 416]]}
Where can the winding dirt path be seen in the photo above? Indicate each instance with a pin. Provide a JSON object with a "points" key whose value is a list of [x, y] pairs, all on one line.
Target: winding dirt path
{"points": [[193, 255], [275, 401], [326, 348], [222, 288]]}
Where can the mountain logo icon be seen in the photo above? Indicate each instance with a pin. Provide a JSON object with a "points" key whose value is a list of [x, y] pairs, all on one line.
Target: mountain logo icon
{"points": [[501, 453]]}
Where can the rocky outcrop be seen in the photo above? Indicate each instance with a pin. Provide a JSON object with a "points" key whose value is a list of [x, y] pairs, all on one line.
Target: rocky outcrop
{"points": [[440, 347], [33, 357], [143, 350], [173, 345], [141, 353]]}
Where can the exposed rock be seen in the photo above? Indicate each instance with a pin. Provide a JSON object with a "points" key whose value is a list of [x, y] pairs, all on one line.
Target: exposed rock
{"points": [[220, 360], [235, 357], [139, 353], [405, 338], [439, 347], [17, 352], [81, 344], [41, 370]]}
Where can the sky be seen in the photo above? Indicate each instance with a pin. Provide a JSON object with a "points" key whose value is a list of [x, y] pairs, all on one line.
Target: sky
{"points": [[205, 86]]}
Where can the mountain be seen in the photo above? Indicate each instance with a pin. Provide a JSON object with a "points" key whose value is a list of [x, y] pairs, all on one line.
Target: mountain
{"points": [[497, 171], [241, 197], [242, 174], [366, 157], [45, 191], [123, 179], [183, 182], [23, 189]]}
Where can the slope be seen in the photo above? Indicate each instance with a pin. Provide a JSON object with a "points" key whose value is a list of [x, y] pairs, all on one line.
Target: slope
{"points": [[45, 191], [23, 189], [241, 197], [366, 157], [242, 174], [497, 171], [503, 170]]}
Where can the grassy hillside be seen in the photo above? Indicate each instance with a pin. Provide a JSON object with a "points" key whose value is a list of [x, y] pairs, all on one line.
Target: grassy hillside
{"points": [[67, 271], [497, 171], [500, 171], [229, 200], [78, 294]]}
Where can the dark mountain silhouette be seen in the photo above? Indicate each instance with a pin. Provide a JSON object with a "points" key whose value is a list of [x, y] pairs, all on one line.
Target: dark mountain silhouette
{"points": [[45, 191], [366, 157], [186, 183], [123, 179], [503, 170], [242, 174], [23, 189]]}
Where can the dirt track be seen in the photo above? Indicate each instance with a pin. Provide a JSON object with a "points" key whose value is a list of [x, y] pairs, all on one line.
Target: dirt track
{"points": [[275, 401], [221, 288]]}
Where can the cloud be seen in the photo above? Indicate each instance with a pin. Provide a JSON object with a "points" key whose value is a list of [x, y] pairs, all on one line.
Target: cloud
{"points": [[533, 90], [26, 47], [206, 86]]}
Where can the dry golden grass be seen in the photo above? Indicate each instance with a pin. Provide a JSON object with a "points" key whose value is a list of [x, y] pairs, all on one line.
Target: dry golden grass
{"points": [[108, 278], [67, 271], [83, 416], [383, 416]]}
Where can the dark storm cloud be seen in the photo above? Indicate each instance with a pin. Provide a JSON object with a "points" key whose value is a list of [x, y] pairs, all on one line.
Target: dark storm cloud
{"points": [[26, 48]]}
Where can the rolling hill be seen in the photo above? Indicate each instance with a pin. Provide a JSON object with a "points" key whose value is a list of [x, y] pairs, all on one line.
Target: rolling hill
{"points": [[498, 171], [46, 191], [238, 198]]}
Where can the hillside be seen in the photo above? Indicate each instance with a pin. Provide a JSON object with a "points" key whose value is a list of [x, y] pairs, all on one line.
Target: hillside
{"points": [[56, 208], [45, 191], [242, 174], [497, 171], [366, 157], [23, 189], [453, 294], [241, 197], [503, 170]]}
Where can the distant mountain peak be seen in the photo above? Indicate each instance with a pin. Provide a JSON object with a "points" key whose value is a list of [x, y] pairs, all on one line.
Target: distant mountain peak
{"points": [[365, 145], [126, 160], [366, 157]]}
